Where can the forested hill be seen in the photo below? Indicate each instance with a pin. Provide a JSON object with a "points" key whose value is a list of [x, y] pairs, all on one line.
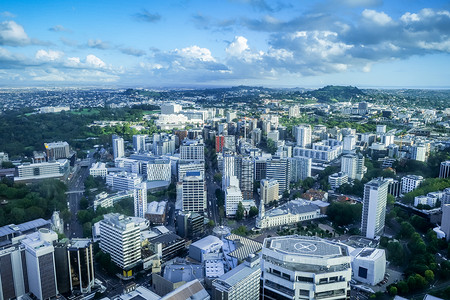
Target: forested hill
{"points": [[333, 93]]}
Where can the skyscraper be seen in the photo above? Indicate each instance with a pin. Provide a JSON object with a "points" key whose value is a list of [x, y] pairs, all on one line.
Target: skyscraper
{"points": [[374, 207], [269, 190], [300, 168], [353, 165], [303, 135], [193, 192], [140, 200], [278, 168], [444, 171], [118, 146], [246, 178], [81, 265], [139, 143]]}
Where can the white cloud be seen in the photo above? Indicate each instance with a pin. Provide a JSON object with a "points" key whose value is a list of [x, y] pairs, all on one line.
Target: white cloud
{"points": [[98, 44], [49, 55], [195, 52], [13, 34], [379, 18], [238, 46], [94, 61]]}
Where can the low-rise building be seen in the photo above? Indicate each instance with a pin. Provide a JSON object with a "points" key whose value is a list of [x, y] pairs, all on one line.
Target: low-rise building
{"points": [[98, 169], [368, 265]]}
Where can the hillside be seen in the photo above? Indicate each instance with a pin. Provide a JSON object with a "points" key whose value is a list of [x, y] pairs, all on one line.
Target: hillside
{"points": [[333, 93]]}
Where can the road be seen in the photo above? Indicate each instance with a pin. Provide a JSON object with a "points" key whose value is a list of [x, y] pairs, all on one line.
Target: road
{"points": [[211, 186], [74, 194]]}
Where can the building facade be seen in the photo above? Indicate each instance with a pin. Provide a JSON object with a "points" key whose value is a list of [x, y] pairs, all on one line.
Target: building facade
{"points": [[374, 207]]}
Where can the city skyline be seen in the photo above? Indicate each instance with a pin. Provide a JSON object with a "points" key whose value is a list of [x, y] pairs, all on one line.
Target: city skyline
{"points": [[370, 43]]}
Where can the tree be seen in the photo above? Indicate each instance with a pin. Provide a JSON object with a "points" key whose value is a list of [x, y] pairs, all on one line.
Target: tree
{"points": [[395, 252], [403, 288], [308, 183], [429, 276], [240, 212], [286, 194], [390, 200], [393, 291], [344, 213], [217, 177], [253, 212]]}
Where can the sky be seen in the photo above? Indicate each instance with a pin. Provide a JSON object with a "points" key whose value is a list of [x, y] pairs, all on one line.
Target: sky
{"points": [[193, 43]]}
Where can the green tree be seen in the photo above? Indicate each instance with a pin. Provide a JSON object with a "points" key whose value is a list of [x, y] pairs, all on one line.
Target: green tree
{"points": [[344, 213], [253, 212], [240, 212], [429, 276], [393, 291]]}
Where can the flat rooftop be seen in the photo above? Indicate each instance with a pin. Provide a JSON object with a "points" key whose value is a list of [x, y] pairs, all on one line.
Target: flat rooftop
{"points": [[299, 245]]}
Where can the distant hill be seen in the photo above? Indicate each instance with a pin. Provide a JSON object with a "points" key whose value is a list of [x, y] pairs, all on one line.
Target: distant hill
{"points": [[332, 93]]}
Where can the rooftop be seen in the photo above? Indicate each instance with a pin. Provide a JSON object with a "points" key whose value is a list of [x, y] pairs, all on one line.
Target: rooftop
{"points": [[301, 245], [294, 207]]}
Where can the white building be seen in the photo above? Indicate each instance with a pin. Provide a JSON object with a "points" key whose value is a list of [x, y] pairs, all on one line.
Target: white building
{"points": [[192, 150], [120, 237], [241, 282], [40, 261], [381, 129], [349, 143], [140, 200], [294, 111], [159, 169], [44, 170], [300, 168], [337, 179], [269, 190], [233, 196], [118, 146], [425, 200], [410, 183], [419, 152], [57, 150], [374, 207], [3, 157], [291, 212], [445, 223], [98, 169], [302, 134], [273, 135], [387, 139], [324, 151], [368, 265], [298, 267], [139, 143], [193, 191], [129, 165], [170, 108], [186, 166], [278, 168], [353, 165], [122, 181]]}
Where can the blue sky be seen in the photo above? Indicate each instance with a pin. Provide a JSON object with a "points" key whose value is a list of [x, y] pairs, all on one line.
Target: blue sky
{"points": [[302, 43]]}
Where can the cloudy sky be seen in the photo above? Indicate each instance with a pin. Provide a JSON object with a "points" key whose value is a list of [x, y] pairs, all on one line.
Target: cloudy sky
{"points": [[153, 43]]}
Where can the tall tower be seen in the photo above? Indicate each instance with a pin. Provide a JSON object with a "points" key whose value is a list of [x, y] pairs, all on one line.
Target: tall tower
{"points": [[193, 192], [139, 143], [303, 135], [140, 200], [118, 146], [374, 207]]}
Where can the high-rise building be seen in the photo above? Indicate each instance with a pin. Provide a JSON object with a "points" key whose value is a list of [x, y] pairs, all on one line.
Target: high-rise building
{"points": [[123, 181], [381, 129], [220, 142], [349, 143], [241, 282], [118, 146], [278, 168], [40, 260], [260, 167], [233, 197], [353, 165], [193, 192], [159, 169], [410, 183], [444, 171], [81, 265], [170, 108], [13, 272], [246, 178], [419, 152], [192, 150], [255, 135], [303, 135], [300, 168], [139, 143], [140, 200], [294, 111], [445, 223], [231, 116], [188, 165], [269, 190], [298, 267], [374, 207], [57, 150], [120, 237]]}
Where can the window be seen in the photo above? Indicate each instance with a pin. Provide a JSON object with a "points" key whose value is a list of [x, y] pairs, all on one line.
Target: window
{"points": [[362, 272]]}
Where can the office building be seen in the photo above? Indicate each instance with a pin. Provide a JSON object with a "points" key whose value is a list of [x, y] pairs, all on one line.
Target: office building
{"points": [[444, 171], [294, 111], [163, 144], [209, 244], [394, 187], [273, 136], [299, 267], [233, 197], [410, 183], [260, 167], [337, 179], [255, 135], [185, 166], [44, 170], [165, 243], [368, 265], [291, 212], [300, 168], [349, 143], [170, 108], [40, 261], [123, 181], [324, 151], [241, 282], [231, 115], [159, 169], [374, 207], [445, 223], [139, 143], [156, 212], [81, 265], [278, 168], [120, 237], [381, 129], [140, 200], [353, 165], [118, 146], [302, 134], [13, 272], [190, 224], [387, 139], [269, 190], [193, 192], [419, 152], [220, 143], [246, 178], [98, 169], [192, 150], [57, 150]]}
